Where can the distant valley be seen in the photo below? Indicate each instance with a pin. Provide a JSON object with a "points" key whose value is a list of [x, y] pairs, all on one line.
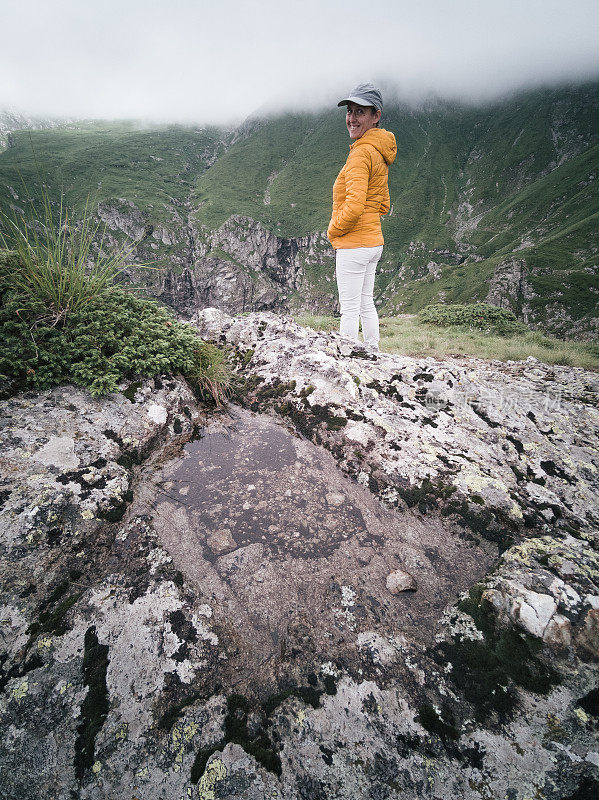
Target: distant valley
{"points": [[496, 203]]}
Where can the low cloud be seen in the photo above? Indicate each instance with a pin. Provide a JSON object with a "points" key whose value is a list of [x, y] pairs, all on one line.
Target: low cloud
{"points": [[194, 61]]}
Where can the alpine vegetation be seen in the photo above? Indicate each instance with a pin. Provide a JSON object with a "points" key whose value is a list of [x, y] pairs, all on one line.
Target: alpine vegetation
{"points": [[64, 319]]}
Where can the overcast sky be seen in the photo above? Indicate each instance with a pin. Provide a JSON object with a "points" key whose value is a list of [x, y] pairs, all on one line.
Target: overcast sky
{"points": [[206, 61]]}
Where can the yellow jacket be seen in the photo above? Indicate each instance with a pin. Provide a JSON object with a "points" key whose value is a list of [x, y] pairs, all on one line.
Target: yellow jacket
{"points": [[361, 191]]}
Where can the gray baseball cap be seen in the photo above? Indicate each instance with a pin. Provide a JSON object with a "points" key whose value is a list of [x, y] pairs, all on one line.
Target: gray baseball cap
{"points": [[364, 95]]}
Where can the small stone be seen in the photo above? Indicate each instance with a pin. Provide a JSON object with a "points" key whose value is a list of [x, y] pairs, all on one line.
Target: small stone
{"points": [[399, 581], [221, 541], [335, 498], [532, 611], [558, 631]]}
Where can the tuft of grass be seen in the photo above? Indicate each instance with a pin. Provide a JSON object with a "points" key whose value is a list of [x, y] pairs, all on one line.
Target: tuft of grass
{"points": [[56, 270], [319, 322], [210, 374]]}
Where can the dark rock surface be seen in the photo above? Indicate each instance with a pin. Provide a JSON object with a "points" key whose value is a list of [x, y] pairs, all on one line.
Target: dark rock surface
{"points": [[196, 605]]}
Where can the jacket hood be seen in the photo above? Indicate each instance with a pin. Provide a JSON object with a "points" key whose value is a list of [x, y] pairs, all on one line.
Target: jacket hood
{"points": [[383, 140]]}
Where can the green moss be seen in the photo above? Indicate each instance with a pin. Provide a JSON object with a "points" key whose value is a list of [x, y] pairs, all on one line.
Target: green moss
{"points": [[478, 676], [257, 744], [247, 357], [178, 578], [236, 719], [488, 524], [275, 390], [130, 391], [52, 620], [57, 592], [199, 765], [485, 670], [432, 722], [94, 708], [129, 459], [116, 511], [252, 382], [336, 423], [426, 496], [308, 694]]}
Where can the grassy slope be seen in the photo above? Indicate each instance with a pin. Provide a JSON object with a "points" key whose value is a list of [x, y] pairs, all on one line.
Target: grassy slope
{"points": [[273, 153], [152, 168], [510, 172]]}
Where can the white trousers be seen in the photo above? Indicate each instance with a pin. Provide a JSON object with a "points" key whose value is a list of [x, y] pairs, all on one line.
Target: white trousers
{"points": [[355, 268]]}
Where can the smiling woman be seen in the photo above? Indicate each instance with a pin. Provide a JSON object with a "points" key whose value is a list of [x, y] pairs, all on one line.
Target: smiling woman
{"points": [[360, 119], [360, 198]]}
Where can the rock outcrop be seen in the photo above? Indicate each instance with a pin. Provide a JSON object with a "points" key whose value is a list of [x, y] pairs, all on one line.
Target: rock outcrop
{"points": [[509, 288], [219, 282], [240, 266], [372, 576]]}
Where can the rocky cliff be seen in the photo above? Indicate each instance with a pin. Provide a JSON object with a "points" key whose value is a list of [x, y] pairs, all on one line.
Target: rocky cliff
{"points": [[241, 266], [371, 576]]}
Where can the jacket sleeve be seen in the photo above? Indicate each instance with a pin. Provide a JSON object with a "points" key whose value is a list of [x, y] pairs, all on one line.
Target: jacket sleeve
{"points": [[385, 202], [357, 174]]}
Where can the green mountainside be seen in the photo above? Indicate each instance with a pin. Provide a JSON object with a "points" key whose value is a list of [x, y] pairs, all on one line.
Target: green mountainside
{"points": [[497, 202], [152, 167]]}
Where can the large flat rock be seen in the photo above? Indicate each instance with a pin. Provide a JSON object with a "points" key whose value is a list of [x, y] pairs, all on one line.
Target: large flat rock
{"points": [[295, 556]]}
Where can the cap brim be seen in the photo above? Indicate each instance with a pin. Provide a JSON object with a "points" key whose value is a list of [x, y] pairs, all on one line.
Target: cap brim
{"points": [[359, 101]]}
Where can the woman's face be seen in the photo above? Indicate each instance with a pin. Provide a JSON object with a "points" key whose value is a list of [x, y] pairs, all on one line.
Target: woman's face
{"points": [[360, 119]]}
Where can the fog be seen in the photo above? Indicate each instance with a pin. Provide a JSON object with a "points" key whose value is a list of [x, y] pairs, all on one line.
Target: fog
{"points": [[197, 61]]}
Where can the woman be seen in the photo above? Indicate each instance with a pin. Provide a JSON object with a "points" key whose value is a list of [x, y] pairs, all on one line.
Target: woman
{"points": [[360, 198]]}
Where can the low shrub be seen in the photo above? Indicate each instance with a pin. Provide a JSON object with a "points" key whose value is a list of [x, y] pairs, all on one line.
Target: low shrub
{"points": [[114, 335], [481, 316]]}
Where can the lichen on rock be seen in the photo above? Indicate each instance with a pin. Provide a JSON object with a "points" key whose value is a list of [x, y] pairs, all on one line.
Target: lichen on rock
{"points": [[204, 608]]}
